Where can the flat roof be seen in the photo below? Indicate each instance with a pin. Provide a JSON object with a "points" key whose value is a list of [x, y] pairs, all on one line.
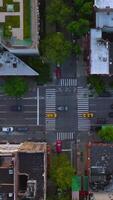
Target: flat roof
{"points": [[104, 21], [99, 58], [103, 196], [23, 147], [33, 165], [32, 147], [101, 158], [11, 65], [102, 4]]}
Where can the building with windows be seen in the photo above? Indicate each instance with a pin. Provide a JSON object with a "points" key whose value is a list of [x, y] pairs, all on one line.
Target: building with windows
{"points": [[101, 40], [19, 26], [23, 171]]}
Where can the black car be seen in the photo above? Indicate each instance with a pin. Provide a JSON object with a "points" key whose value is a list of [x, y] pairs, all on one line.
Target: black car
{"points": [[16, 108], [110, 114], [22, 129]]}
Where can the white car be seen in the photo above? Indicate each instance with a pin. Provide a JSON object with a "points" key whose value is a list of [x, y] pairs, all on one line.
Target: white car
{"points": [[7, 129]]}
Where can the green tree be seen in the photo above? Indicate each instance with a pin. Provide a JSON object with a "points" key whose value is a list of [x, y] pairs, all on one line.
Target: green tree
{"points": [[86, 9], [79, 28], [55, 48], [58, 12], [97, 83], [76, 49], [61, 171], [41, 67], [15, 86], [106, 133]]}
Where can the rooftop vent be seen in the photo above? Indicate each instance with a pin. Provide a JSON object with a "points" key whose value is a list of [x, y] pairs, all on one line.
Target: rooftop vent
{"points": [[14, 65], [10, 171], [10, 195]]}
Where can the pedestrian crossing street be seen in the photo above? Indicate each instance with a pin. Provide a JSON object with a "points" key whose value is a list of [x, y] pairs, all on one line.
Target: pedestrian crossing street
{"points": [[68, 82], [50, 108], [82, 107], [65, 135]]}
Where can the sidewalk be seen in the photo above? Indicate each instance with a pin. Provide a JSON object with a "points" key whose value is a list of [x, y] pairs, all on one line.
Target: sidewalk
{"points": [[83, 137]]}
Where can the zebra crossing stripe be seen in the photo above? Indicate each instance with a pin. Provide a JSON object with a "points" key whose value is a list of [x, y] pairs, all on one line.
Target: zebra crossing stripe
{"points": [[50, 108], [82, 106], [65, 135], [68, 82]]}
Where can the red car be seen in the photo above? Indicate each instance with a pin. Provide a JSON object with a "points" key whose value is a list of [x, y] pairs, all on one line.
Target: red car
{"points": [[58, 146], [58, 72]]}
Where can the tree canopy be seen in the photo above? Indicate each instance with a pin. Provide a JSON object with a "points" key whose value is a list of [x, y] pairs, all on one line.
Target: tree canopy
{"points": [[58, 12], [15, 86], [97, 83], [106, 133], [55, 48], [61, 171], [79, 28]]}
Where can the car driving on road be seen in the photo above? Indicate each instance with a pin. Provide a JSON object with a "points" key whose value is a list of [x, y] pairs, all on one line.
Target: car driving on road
{"points": [[16, 108], [88, 115], [62, 108], [7, 129], [51, 115]]}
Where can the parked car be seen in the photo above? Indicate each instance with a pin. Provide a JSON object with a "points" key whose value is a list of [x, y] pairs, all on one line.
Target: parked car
{"points": [[111, 106], [101, 121], [87, 115], [58, 72], [62, 108], [51, 115], [58, 146], [7, 129], [110, 114], [16, 108], [22, 129]]}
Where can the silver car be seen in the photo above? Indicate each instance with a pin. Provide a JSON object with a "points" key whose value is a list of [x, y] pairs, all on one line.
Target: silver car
{"points": [[62, 108]]}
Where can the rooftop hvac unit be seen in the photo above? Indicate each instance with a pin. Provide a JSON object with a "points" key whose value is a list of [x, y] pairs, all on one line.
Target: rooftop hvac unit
{"points": [[10, 195], [10, 171]]}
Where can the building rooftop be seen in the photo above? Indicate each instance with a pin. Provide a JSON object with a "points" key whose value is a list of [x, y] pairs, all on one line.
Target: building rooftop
{"points": [[102, 158], [11, 65], [102, 196], [101, 167], [23, 147], [103, 4], [19, 25], [32, 147], [99, 57], [23, 165], [104, 21], [33, 165]]}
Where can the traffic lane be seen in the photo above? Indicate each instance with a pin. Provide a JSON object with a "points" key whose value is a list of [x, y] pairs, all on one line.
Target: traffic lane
{"points": [[65, 122], [66, 119], [101, 108], [26, 116]]}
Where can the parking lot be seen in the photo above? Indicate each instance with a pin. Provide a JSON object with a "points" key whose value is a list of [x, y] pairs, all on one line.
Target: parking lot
{"points": [[101, 107], [28, 116]]}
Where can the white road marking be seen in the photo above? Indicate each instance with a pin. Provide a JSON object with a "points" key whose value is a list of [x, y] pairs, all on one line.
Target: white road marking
{"points": [[37, 106]]}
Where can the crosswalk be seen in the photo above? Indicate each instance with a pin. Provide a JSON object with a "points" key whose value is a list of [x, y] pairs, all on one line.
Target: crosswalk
{"points": [[82, 107], [50, 108], [68, 82], [65, 135]]}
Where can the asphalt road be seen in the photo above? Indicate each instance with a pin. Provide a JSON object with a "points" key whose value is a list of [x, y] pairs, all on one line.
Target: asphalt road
{"points": [[66, 121], [101, 106]]}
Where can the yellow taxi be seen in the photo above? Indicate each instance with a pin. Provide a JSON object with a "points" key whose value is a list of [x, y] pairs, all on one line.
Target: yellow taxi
{"points": [[87, 115], [51, 115]]}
